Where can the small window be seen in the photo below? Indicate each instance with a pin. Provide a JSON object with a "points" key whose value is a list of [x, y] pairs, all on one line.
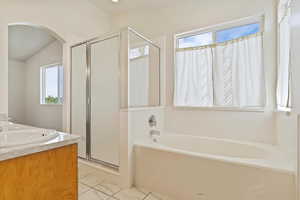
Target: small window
{"points": [[237, 32], [139, 52], [51, 84], [195, 40]]}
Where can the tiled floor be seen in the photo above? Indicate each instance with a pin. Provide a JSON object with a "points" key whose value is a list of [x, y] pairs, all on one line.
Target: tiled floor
{"points": [[94, 185]]}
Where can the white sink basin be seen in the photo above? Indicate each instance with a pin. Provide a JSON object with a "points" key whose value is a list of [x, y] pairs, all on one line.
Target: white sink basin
{"points": [[25, 137], [9, 126]]}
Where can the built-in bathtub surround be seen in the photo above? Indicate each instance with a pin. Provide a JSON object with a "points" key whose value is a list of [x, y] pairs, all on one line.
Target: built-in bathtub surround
{"points": [[187, 167]]}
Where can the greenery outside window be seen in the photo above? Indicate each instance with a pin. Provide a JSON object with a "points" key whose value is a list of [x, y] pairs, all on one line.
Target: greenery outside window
{"points": [[51, 84]]}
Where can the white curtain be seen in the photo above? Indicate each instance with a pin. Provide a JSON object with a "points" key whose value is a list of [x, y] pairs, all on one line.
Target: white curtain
{"points": [[239, 73], [227, 74], [193, 77], [283, 72]]}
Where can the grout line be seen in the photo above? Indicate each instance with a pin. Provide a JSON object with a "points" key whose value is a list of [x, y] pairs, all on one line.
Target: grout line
{"points": [[89, 189], [113, 193], [87, 185], [146, 196], [101, 184], [94, 189], [84, 176], [140, 190], [117, 193], [110, 195], [84, 191], [87, 174]]}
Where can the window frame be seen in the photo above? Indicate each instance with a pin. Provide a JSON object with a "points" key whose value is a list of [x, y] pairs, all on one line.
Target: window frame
{"points": [[260, 19], [220, 27], [60, 93]]}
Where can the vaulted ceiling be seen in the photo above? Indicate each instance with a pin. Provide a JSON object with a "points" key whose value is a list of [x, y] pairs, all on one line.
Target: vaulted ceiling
{"points": [[26, 41]]}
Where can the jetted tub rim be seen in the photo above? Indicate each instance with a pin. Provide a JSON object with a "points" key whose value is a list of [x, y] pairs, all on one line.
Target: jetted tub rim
{"points": [[257, 163]]}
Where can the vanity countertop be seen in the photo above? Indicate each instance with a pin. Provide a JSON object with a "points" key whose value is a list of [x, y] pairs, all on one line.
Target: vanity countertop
{"points": [[62, 139]]}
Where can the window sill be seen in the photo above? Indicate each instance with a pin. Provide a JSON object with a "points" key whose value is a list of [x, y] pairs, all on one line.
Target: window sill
{"points": [[284, 109], [44, 104], [231, 109], [141, 108]]}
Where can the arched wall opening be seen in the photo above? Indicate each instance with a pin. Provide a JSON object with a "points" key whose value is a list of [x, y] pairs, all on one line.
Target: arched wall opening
{"points": [[45, 114]]}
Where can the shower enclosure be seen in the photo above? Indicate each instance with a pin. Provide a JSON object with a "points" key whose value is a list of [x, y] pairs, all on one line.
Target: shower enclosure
{"points": [[110, 73]]}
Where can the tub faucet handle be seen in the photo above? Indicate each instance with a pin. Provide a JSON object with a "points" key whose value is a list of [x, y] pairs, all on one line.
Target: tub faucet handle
{"points": [[152, 121]]}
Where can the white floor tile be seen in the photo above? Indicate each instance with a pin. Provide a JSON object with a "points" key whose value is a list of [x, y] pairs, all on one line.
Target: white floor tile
{"points": [[130, 194], [84, 170], [93, 195], [159, 196], [82, 188], [143, 190], [108, 188], [151, 197], [92, 179]]}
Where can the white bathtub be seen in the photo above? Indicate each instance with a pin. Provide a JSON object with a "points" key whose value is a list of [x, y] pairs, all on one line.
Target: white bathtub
{"points": [[201, 168]]}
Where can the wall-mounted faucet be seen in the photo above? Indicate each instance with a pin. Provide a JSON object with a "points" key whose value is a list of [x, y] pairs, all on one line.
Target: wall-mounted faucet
{"points": [[152, 121]]}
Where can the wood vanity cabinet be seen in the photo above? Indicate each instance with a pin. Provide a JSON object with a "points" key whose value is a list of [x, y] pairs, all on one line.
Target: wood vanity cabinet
{"points": [[47, 175]]}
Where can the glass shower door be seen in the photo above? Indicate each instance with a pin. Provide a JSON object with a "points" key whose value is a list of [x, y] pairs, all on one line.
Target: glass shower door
{"points": [[105, 103]]}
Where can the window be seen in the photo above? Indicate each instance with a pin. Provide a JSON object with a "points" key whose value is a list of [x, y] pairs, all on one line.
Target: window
{"points": [[51, 84], [220, 68], [195, 40], [237, 32], [139, 52], [217, 36]]}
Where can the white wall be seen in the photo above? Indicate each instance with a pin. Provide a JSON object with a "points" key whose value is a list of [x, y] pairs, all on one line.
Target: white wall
{"points": [[16, 89], [73, 20], [295, 61], [250, 126], [44, 116], [287, 127]]}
